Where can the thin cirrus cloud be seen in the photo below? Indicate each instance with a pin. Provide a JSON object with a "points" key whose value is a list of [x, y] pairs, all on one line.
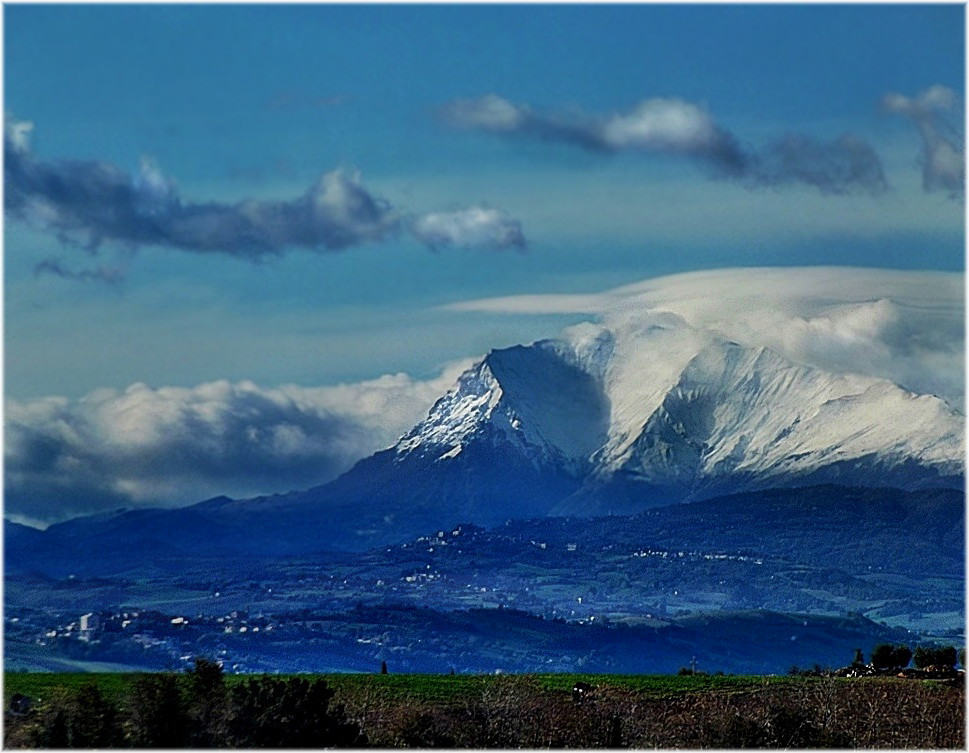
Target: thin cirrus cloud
{"points": [[943, 155], [845, 165], [100, 273], [89, 203], [169, 446]]}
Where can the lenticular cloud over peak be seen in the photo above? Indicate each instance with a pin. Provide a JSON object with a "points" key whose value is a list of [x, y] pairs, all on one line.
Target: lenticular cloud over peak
{"points": [[898, 325]]}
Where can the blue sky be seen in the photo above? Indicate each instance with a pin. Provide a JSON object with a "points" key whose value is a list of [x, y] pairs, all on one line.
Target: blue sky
{"points": [[485, 151], [257, 102]]}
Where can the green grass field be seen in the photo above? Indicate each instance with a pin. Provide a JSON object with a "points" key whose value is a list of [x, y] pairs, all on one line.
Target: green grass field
{"points": [[430, 688], [663, 686]]}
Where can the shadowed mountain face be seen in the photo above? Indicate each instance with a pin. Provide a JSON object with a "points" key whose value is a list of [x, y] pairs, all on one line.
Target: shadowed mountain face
{"points": [[584, 427]]}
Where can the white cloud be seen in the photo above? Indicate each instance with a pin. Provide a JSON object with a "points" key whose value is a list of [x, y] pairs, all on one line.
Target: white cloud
{"points": [[477, 227], [18, 133], [662, 124], [94, 202], [174, 445], [933, 112], [657, 124], [490, 113], [899, 325]]}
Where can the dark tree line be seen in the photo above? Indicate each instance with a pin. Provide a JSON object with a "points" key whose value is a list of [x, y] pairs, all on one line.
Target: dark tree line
{"points": [[892, 658], [935, 656], [889, 659], [195, 709]]}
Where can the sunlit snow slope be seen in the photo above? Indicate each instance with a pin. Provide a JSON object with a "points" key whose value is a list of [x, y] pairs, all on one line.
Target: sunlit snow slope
{"points": [[665, 413]]}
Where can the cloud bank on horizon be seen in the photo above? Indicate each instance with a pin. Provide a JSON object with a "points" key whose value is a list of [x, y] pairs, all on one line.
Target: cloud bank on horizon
{"points": [[145, 447], [169, 446], [88, 203]]}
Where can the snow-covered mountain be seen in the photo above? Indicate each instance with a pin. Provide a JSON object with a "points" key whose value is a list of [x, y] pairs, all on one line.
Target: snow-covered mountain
{"points": [[668, 414], [604, 420], [545, 400]]}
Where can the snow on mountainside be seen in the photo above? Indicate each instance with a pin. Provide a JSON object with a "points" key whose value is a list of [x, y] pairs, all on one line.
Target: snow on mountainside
{"points": [[609, 419], [664, 413], [546, 400], [751, 411]]}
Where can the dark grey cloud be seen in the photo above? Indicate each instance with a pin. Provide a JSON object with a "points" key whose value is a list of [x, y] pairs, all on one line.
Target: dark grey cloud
{"points": [[89, 203], [98, 202], [65, 459], [943, 155], [678, 127], [843, 165]]}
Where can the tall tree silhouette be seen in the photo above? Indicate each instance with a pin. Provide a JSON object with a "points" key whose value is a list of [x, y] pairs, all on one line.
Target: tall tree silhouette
{"points": [[207, 705]]}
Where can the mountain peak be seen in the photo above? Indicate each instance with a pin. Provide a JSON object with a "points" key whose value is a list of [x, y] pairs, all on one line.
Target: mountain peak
{"points": [[543, 399], [601, 422], [668, 415]]}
